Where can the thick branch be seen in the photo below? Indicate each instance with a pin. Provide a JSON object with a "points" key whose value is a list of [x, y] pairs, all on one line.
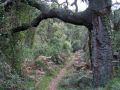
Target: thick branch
{"points": [[81, 18]]}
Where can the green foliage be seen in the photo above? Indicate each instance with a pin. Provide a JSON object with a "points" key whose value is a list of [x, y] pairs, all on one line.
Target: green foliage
{"points": [[1, 14], [113, 84], [76, 45], [116, 19], [76, 81], [72, 82], [116, 40], [116, 70], [11, 51], [44, 83], [9, 79], [40, 64], [57, 60], [25, 13], [28, 84], [52, 39]]}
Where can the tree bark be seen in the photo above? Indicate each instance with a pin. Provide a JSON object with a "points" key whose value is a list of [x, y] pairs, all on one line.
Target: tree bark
{"points": [[101, 53]]}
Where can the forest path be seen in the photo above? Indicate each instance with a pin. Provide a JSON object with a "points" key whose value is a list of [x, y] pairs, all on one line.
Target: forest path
{"points": [[55, 81]]}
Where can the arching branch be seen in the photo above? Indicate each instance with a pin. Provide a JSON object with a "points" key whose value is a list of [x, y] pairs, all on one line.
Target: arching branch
{"points": [[81, 18]]}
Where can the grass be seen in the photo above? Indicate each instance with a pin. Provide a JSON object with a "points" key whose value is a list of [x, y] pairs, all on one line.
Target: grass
{"points": [[113, 84], [44, 82], [63, 88], [29, 84]]}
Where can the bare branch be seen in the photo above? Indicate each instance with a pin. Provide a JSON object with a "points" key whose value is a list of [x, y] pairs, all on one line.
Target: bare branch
{"points": [[75, 3], [117, 3], [67, 3]]}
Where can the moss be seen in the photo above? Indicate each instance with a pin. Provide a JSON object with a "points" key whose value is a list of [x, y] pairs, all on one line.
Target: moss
{"points": [[106, 22]]}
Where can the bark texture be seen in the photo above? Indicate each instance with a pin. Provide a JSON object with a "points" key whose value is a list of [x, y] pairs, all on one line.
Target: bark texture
{"points": [[101, 53]]}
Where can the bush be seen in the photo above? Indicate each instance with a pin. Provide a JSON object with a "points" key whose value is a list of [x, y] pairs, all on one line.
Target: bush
{"points": [[40, 64], [76, 80], [76, 45], [57, 59], [9, 79], [113, 84]]}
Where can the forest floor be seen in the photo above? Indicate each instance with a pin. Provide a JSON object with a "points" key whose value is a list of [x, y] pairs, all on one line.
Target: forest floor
{"points": [[44, 81], [55, 81], [74, 60]]}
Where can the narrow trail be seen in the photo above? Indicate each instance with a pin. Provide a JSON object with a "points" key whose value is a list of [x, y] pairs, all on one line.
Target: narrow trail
{"points": [[54, 82]]}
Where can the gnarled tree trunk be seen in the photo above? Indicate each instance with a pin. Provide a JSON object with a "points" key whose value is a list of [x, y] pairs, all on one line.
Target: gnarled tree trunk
{"points": [[101, 53]]}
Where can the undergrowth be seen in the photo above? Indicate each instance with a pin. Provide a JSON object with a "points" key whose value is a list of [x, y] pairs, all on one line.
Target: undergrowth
{"points": [[44, 82], [113, 84]]}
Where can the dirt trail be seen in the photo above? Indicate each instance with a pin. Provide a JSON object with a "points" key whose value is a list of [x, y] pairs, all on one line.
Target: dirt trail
{"points": [[54, 82]]}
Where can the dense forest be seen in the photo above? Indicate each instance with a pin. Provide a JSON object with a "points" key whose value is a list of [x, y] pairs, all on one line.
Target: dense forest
{"points": [[47, 45]]}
